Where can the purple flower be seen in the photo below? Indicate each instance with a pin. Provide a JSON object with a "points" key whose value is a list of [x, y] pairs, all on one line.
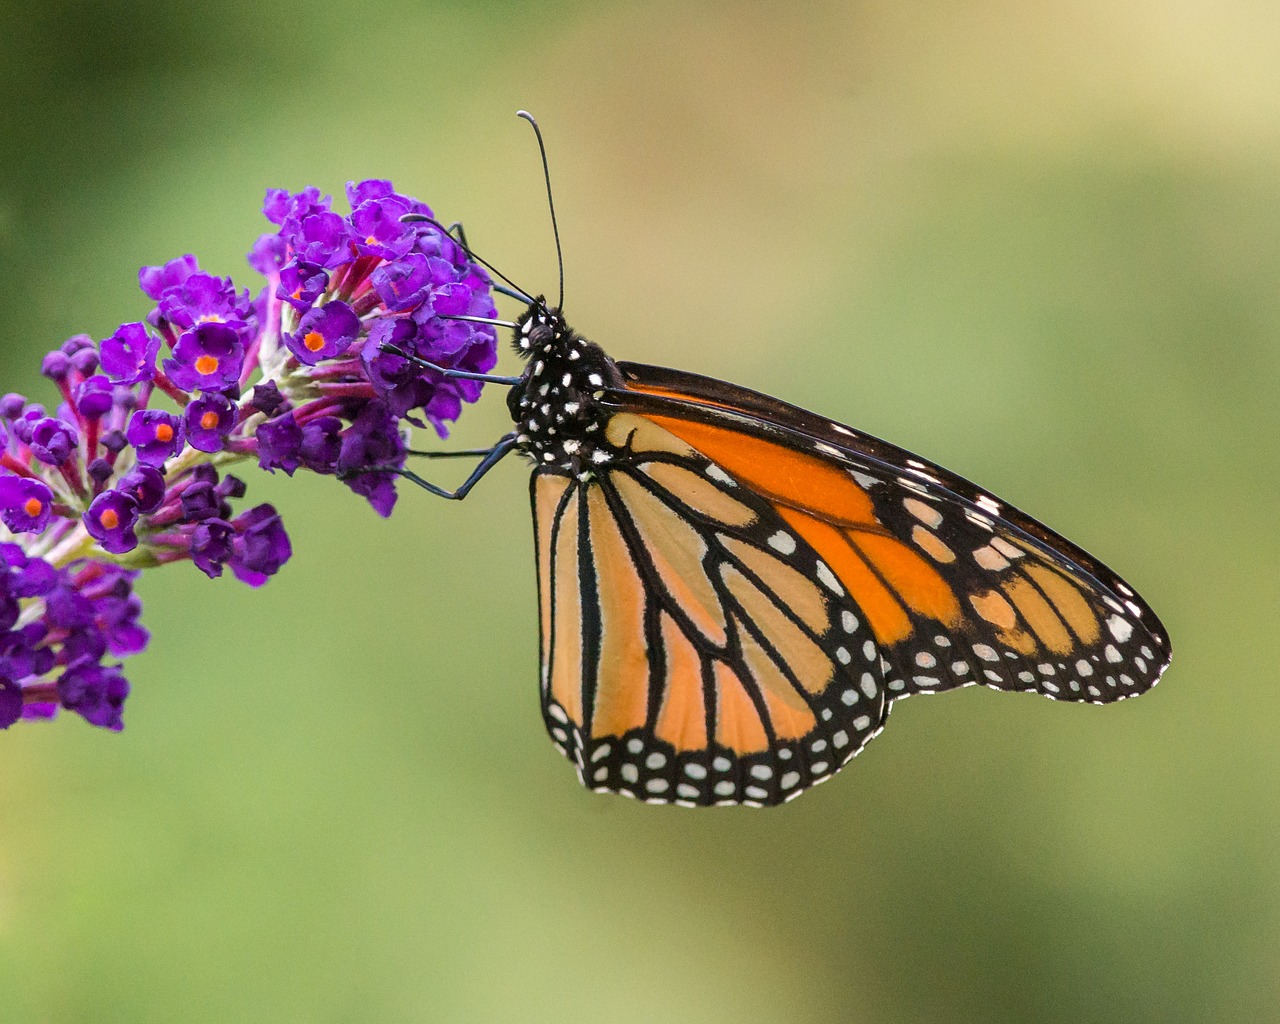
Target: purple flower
{"points": [[203, 298], [301, 284], [266, 397], [374, 189], [145, 485], [25, 505], [282, 206], [208, 421], [129, 355], [211, 546], [155, 281], [205, 498], [321, 442], [280, 444], [55, 366], [94, 397], [10, 702], [260, 547], [323, 239], [269, 254], [324, 333], [373, 440], [52, 441], [378, 231], [95, 692], [111, 519], [156, 435], [208, 357], [405, 283], [116, 607]]}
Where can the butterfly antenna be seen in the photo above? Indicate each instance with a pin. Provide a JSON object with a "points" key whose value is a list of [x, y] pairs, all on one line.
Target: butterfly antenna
{"points": [[422, 218], [551, 203]]}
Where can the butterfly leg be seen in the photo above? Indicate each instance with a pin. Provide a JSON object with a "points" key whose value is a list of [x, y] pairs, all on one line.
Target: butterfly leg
{"points": [[487, 378], [492, 456], [453, 453]]}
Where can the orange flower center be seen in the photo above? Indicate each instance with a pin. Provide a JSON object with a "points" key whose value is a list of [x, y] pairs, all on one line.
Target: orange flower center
{"points": [[314, 341], [206, 365], [164, 432], [109, 518], [33, 507], [209, 420]]}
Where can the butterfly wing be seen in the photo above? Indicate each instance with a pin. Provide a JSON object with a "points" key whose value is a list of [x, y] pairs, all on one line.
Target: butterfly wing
{"points": [[693, 650], [956, 586]]}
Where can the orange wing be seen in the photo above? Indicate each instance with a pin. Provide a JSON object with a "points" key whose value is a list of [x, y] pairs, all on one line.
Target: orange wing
{"points": [[695, 647], [955, 586]]}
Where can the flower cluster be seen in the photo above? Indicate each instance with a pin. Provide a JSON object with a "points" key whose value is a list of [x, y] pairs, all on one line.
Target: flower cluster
{"points": [[316, 372]]}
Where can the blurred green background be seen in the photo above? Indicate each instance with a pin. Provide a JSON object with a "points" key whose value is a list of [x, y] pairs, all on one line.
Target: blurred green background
{"points": [[1038, 243]]}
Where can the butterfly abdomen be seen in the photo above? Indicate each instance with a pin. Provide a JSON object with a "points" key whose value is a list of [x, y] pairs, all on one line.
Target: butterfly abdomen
{"points": [[556, 407]]}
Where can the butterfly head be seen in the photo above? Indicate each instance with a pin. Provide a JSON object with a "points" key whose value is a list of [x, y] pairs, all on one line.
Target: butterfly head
{"points": [[556, 406]]}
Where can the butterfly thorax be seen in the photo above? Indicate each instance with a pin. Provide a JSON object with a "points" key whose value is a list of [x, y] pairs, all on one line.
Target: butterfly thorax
{"points": [[556, 406]]}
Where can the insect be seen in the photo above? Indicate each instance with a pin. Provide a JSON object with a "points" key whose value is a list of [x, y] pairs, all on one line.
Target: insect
{"points": [[733, 591]]}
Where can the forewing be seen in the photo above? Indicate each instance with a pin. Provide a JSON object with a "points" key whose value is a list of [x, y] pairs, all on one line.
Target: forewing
{"points": [[956, 586], [693, 648]]}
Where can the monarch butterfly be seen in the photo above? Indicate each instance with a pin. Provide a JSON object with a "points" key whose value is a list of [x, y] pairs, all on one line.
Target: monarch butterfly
{"points": [[733, 591]]}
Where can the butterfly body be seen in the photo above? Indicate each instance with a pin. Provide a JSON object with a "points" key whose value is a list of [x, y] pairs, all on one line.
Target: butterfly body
{"points": [[733, 591], [556, 405]]}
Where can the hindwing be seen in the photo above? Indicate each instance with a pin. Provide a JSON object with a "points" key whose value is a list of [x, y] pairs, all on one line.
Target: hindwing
{"points": [[695, 647]]}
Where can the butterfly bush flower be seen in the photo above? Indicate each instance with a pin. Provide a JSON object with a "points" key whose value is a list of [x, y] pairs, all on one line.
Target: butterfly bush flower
{"points": [[129, 469]]}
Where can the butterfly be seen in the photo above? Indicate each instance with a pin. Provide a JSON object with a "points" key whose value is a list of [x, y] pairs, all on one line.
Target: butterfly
{"points": [[734, 591]]}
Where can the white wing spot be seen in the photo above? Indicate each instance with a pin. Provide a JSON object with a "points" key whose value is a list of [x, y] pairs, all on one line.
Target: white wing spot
{"points": [[829, 580], [843, 656], [1006, 549], [783, 542], [1120, 628], [989, 558], [849, 621], [927, 514], [985, 653], [630, 773], [695, 770]]}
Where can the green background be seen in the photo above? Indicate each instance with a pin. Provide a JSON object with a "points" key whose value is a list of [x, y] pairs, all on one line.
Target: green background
{"points": [[1037, 243]]}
